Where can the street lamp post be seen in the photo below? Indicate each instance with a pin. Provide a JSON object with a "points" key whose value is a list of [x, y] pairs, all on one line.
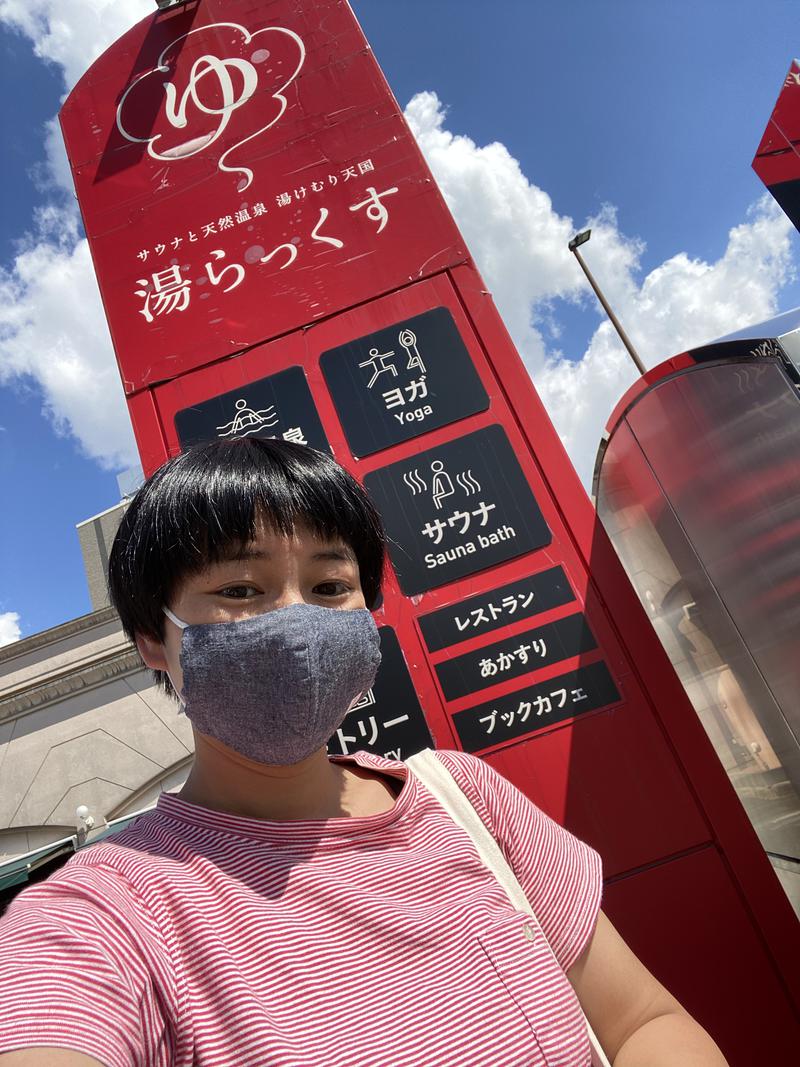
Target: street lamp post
{"points": [[581, 239]]}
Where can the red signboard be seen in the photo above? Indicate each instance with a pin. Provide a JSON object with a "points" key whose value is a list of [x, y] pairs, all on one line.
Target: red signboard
{"points": [[777, 161], [241, 173], [276, 259]]}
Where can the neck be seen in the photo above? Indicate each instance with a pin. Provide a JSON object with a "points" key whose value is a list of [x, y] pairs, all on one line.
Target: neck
{"points": [[223, 780]]}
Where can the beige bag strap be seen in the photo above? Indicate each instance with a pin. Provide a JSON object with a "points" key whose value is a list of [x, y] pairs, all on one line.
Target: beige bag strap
{"points": [[440, 783]]}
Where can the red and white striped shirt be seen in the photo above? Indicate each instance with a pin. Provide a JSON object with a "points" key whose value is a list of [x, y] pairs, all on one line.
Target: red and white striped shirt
{"points": [[198, 937]]}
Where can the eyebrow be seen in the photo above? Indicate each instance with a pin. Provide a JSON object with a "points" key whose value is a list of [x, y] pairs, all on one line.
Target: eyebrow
{"points": [[341, 554], [236, 555], [336, 554]]}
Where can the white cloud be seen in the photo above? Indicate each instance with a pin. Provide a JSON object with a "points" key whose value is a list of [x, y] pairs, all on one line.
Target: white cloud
{"points": [[683, 303], [55, 170], [73, 33], [9, 628], [515, 236], [52, 329], [520, 246], [52, 326]]}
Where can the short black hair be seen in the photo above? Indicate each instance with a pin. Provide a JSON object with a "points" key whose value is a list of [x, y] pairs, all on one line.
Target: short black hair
{"points": [[209, 499]]}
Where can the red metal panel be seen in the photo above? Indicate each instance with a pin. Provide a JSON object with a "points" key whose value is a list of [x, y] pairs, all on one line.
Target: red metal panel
{"points": [[147, 429], [694, 917], [359, 261], [643, 795]]}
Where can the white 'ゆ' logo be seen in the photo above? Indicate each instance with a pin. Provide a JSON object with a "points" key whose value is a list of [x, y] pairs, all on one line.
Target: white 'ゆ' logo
{"points": [[214, 90]]}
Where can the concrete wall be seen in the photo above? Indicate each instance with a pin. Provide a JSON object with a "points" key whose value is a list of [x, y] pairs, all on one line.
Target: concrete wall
{"points": [[96, 536], [81, 723]]}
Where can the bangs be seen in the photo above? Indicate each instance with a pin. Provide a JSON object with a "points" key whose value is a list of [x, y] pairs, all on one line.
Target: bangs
{"points": [[221, 502], [206, 504]]}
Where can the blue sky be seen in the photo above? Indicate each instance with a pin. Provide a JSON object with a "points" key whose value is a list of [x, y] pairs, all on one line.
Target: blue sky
{"points": [[641, 118]]}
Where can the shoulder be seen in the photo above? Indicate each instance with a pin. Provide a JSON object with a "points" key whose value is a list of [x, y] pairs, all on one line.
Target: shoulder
{"points": [[508, 811], [143, 838], [86, 895], [497, 800], [460, 763], [373, 760], [560, 875], [82, 937], [94, 913], [470, 768], [102, 880]]}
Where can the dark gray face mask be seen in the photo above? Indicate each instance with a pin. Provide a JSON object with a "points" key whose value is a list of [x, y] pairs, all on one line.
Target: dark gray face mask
{"points": [[276, 686]]}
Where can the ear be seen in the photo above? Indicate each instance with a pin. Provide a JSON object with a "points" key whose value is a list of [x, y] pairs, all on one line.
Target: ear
{"points": [[152, 652]]}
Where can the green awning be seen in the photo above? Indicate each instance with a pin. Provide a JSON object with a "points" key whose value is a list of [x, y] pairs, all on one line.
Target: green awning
{"points": [[18, 871]]}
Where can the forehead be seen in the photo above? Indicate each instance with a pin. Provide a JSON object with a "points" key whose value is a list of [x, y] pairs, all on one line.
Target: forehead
{"points": [[269, 544]]}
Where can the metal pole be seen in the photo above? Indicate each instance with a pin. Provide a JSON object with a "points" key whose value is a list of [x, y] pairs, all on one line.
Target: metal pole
{"points": [[614, 320]]}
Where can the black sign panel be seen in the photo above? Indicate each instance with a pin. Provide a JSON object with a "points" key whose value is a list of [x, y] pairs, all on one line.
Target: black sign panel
{"points": [[388, 719], [522, 713], [399, 382], [456, 509], [520, 654], [278, 406], [495, 608]]}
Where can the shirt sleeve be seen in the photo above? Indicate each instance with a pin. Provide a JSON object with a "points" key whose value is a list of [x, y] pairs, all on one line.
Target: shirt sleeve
{"points": [[560, 875], [74, 973]]}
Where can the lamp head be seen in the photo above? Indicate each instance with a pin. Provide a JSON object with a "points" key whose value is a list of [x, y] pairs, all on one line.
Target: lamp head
{"points": [[579, 239]]}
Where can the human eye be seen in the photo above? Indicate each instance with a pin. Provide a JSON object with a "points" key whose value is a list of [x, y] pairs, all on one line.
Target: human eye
{"points": [[332, 588], [238, 592]]}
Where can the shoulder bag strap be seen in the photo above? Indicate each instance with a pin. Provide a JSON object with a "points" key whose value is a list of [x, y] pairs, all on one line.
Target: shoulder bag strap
{"points": [[440, 783]]}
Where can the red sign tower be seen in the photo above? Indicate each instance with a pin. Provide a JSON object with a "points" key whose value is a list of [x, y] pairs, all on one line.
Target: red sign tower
{"points": [[777, 160], [275, 258]]}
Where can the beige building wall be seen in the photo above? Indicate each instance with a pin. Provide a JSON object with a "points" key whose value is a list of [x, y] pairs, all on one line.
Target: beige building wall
{"points": [[81, 724], [96, 535]]}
